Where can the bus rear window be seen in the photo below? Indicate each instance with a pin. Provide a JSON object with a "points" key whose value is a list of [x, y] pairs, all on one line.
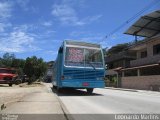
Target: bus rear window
{"points": [[83, 57], [74, 54]]}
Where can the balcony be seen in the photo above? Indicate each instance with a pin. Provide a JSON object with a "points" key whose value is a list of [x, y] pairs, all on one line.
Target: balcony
{"points": [[145, 61], [119, 56]]}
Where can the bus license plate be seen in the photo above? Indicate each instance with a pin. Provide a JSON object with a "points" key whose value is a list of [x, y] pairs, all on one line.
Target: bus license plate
{"points": [[85, 84]]}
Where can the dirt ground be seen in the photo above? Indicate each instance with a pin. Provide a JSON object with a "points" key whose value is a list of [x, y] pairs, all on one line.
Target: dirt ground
{"points": [[12, 94]]}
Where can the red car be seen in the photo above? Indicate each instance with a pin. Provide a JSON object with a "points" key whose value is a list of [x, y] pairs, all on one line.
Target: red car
{"points": [[8, 76]]}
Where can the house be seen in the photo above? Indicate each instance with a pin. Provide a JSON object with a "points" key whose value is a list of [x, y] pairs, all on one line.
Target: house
{"points": [[138, 67], [116, 62], [144, 71]]}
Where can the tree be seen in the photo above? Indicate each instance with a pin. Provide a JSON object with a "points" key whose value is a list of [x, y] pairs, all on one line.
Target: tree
{"points": [[1, 64], [34, 68], [19, 65], [16, 63], [28, 67], [7, 59]]}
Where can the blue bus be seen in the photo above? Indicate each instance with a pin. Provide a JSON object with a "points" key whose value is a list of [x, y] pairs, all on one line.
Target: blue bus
{"points": [[79, 65]]}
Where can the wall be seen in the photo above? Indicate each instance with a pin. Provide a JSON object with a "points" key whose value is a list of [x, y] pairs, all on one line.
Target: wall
{"points": [[149, 48], [145, 61], [140, 82], [150, 59], [139, 53]]}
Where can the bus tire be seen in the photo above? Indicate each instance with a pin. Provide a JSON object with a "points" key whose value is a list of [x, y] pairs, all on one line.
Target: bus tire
{"points": [[89, 90]]}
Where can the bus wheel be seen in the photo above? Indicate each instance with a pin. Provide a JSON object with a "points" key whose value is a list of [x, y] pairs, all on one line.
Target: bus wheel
{"points": [[90, 90]]}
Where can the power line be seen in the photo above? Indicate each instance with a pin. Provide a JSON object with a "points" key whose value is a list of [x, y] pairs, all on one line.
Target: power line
{"points": [[130, 19]]}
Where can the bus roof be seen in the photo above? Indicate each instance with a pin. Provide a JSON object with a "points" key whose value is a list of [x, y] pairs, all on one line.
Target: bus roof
{"points": [[72, 42]]}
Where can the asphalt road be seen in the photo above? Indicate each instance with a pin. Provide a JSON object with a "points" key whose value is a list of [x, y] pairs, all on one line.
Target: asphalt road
{"points": [[108, 101], [109, 104], [79, 105]]}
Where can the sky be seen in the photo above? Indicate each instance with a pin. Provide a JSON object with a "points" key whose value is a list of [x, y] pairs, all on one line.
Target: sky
{"points": [[38, 27]]}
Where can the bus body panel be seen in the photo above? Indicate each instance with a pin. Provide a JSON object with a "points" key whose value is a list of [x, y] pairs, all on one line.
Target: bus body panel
{"points": [[76, 77], [57, 70], [80, 84]]}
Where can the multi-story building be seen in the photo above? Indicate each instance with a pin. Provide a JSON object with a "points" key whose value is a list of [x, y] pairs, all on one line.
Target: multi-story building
{"points": [[116, 62], [139, 66], [144, 71]]}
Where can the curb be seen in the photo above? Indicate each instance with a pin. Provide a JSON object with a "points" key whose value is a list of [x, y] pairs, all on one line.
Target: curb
{"points": [[66, 113], [132, 90], [122, 89]]}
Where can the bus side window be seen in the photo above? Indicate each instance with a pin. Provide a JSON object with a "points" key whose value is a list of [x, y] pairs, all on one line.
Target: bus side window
{"points": [[60, 50]]}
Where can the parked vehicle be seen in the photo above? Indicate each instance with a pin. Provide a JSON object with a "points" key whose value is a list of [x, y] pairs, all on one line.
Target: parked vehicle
{"points": [[48, 76], [48, 79], [79, 65], [9, 76]]}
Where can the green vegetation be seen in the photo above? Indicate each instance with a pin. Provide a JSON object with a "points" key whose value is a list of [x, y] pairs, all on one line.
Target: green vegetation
{"points": [[33, 67]]}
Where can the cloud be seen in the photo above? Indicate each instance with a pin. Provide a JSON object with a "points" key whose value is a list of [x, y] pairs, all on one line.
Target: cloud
{"points": [[114, 37], [66, 14], [92, 38], [5, 10], [87, 36], [92, 18], [78, 33], [5, 14], [23, 4], [26, 6], [51, 52], [17, 41], [97, 38], [4, 25], [47, 23]]}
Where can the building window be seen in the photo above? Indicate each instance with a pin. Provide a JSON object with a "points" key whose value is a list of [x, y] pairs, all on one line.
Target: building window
{"points": [[156, 49], [143, 54], [154, 70], [110, 66], [132, 72]]}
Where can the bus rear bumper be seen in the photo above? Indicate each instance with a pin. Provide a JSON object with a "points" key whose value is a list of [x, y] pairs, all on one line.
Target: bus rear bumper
{"points": [[83, 84]]}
